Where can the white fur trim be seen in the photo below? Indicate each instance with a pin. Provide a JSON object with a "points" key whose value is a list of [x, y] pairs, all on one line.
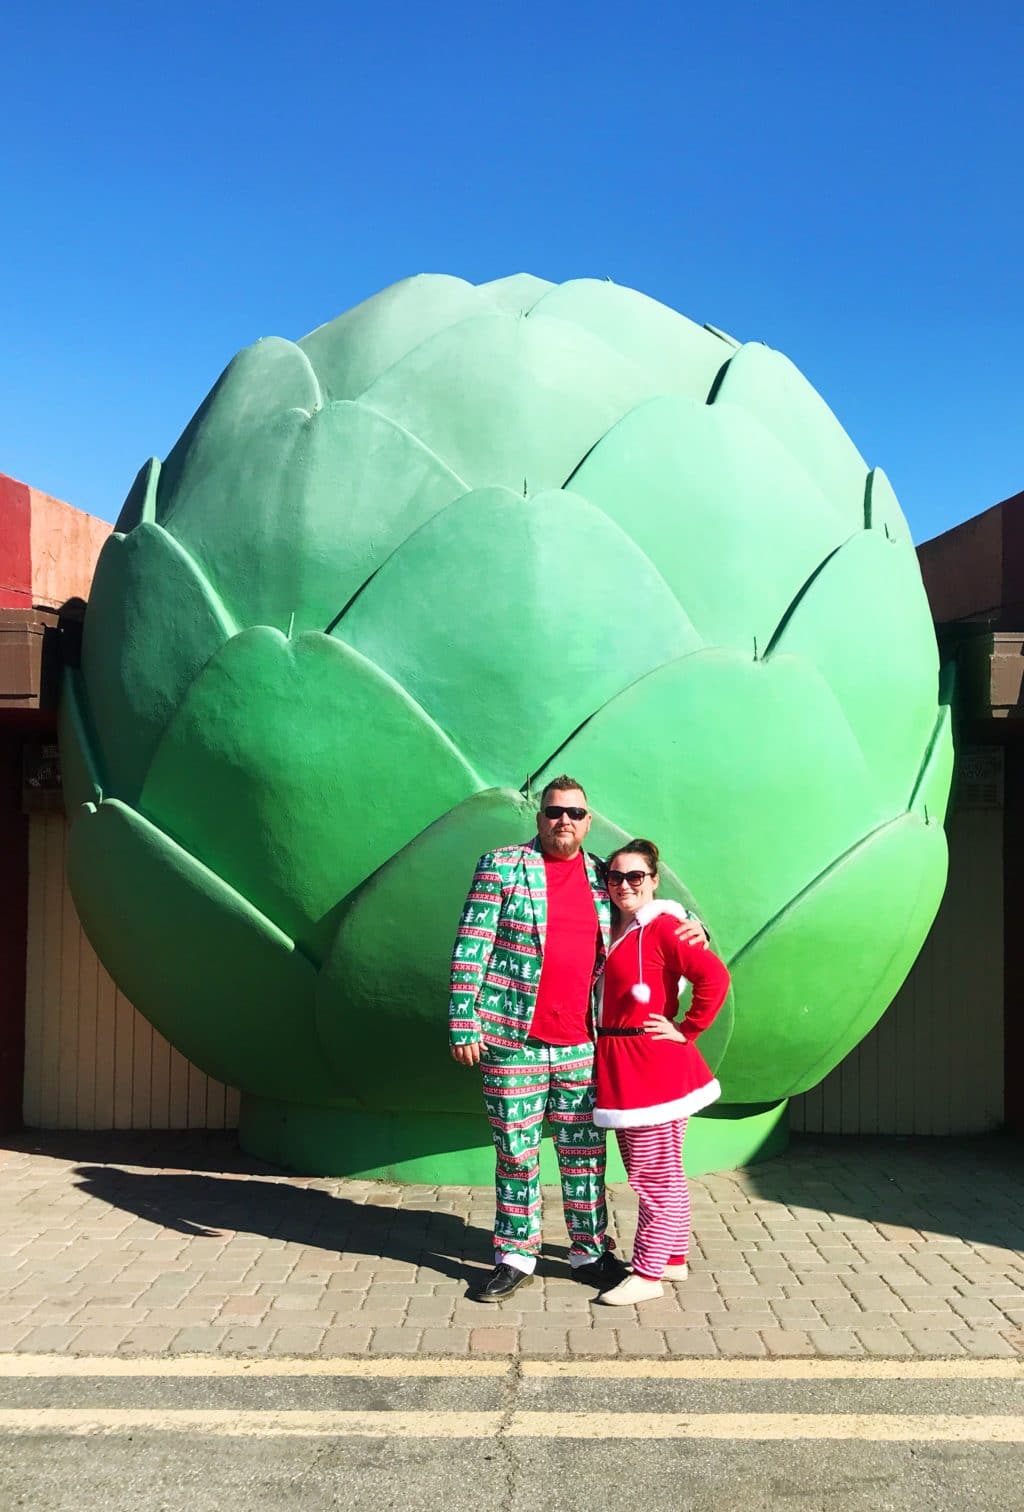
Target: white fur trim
{"points": [[660, 906], [641, 992], [640, 1118]]}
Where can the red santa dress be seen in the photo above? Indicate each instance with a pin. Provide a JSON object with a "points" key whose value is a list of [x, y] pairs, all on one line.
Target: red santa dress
{"points": [[643, 1080]]}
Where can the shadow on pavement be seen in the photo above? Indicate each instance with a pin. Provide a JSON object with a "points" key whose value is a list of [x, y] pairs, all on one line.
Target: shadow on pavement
{"points": [[195, 1183], [198, 1183], [967, 1188], [206, 1205]]}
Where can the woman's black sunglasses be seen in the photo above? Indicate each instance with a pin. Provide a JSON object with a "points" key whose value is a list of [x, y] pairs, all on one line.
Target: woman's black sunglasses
{"points": [[633, 878]]}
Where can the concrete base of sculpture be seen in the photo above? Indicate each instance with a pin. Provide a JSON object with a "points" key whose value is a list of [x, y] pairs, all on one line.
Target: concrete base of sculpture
{"points": [[440, 1149]]}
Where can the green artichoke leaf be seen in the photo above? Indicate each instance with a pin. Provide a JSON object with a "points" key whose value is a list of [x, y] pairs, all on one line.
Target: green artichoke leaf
{"points": [[329, 492], [796, 1015], [864, 623], [141, 500], [286, 771], [766, 384], [509, 401], [745, 773], [734, 524], [517, 294], [680, 356], [730, 341], [934, 781], [485, 619], [268, 378], [882, 510], [362, 488], [386, 975], [217, 979], [153, 623], [81, 778], [352, 351]]}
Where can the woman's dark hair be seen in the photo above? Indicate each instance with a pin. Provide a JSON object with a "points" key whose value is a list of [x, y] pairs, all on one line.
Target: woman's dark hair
{"points": [[646, 848]]}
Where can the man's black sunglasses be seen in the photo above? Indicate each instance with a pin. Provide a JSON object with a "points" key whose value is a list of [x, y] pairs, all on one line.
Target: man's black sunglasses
{"points": [[556, 810]]}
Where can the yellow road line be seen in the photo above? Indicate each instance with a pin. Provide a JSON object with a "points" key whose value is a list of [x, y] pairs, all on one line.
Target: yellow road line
{"points": [[227, 1423], [210, 1366], [778, 1370], [867, 1427]]}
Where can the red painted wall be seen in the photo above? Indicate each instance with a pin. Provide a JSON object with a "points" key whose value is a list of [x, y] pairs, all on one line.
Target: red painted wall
{"points": [[15, 545]]}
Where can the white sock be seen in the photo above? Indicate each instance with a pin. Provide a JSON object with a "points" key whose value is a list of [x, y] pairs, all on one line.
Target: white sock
{"points": [[525, 1263], [575, 1261]]}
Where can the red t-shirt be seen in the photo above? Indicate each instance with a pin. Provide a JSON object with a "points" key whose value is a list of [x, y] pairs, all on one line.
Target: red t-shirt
{"points": [[561, 1012]]}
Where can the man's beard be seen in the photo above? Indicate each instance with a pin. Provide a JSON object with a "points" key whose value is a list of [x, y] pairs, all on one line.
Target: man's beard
{"points": [[564, 845]]}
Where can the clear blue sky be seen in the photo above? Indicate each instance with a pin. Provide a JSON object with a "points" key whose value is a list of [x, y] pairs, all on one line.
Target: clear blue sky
{"points": [[842, 182]]}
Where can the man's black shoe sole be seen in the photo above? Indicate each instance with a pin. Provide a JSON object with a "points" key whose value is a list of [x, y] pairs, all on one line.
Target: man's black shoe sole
{"points": [[502, 1296]]}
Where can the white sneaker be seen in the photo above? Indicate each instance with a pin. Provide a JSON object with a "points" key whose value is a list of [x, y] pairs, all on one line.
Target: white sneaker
{"points": [[633, 1289]]}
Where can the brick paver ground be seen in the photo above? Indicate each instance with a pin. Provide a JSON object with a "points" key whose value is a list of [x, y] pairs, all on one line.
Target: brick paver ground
{"points": [[170, 1244]]}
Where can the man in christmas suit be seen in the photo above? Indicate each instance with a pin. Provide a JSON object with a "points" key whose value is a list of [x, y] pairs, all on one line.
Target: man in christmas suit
{"points": [[531, 942]]}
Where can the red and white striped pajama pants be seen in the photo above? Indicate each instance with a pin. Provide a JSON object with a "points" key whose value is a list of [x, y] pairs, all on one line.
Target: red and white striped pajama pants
{"points": [[653, 1158]]}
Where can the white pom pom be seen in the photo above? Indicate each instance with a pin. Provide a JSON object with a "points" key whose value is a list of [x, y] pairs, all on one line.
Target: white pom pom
{"points": [[641, 992]]}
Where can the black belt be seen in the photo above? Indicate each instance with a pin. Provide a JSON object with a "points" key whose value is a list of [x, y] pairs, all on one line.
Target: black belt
{"points": [[622, 1032]]}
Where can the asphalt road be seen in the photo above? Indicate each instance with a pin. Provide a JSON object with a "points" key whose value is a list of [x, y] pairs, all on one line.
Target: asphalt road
{"points": [[221, 1435]]}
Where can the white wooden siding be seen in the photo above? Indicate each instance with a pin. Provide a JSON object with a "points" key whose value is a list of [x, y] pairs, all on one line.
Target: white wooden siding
{"points": [[934, 1062], [92, 1061]]}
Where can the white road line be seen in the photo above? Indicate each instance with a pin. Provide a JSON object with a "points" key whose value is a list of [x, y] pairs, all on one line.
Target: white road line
{"points": [[866, 1427], [26, 1366]]}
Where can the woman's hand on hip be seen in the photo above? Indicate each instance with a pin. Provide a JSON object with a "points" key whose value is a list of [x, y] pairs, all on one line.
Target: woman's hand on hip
{"points": [[659, 1027]]}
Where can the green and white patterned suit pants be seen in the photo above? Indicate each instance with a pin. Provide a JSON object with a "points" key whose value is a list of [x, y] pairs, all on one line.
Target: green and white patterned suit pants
{"points": [[522, 1087]]}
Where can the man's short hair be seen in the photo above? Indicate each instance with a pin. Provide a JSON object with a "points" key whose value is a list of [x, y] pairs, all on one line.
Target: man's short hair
{"points": [[561, 785]]}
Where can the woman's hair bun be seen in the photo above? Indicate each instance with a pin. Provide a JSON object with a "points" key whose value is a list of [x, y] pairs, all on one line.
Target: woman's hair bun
{"points": [[641, 848], [647, 848]]}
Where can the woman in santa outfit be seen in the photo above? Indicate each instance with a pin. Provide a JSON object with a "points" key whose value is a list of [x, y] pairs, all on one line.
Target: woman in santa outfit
{"points": [[650, 1075]]}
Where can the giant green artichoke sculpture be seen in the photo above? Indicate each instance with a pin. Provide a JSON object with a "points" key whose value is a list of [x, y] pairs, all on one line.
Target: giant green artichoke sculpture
{"points": [[394, 576]]}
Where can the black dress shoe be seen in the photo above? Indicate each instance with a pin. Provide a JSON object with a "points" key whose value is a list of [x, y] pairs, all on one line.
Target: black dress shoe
{"points": [[604, 1273], [501, 1283]]}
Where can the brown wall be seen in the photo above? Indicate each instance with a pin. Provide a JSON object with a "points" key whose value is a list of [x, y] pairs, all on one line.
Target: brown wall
{"points": [[933, 1064], [91, 1060], [48, 552], [13, 923], [974, 573], [1013, 960]]}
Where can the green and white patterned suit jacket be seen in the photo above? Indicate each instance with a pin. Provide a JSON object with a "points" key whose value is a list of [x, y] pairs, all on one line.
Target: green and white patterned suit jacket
{"points": [[499, 948]]}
